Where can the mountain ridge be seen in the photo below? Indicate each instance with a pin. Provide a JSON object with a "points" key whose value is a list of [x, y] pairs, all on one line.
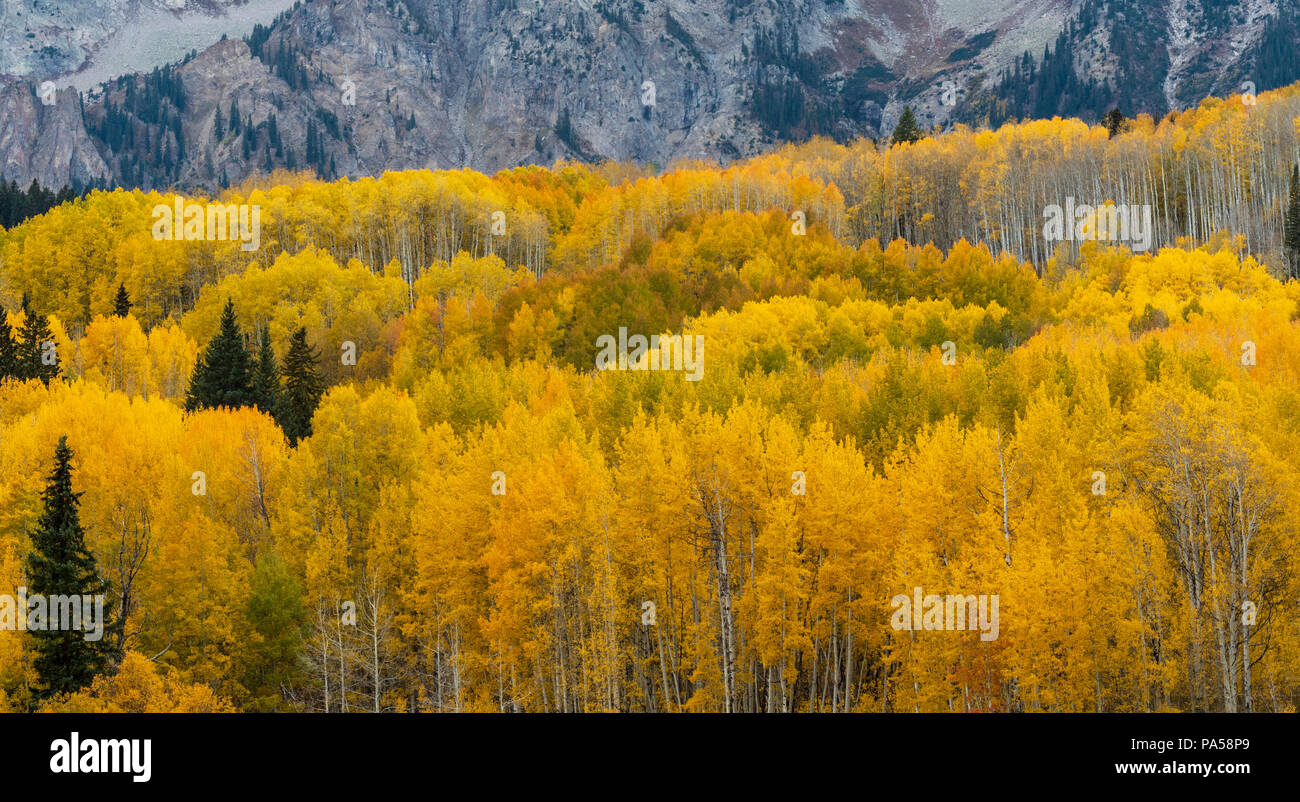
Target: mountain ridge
{"points": [[356, 87]]}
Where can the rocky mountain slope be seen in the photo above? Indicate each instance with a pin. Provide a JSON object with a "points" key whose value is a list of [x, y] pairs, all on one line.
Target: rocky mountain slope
{"points": [[85, 42], [1146, 57], [354, 87]]}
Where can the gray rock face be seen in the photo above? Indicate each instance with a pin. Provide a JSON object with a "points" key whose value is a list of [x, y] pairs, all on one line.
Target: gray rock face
{"points": [[48, 143], [355, 87]]}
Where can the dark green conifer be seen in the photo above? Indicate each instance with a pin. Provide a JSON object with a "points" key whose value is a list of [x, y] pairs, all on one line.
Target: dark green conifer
{"points": [[303, 388], [907, 130], [122, 303], [266, 376], [59, 564], [223, 376]]}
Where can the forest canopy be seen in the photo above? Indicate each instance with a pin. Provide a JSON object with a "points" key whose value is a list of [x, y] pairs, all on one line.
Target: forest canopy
{"points": [[903, 387]]}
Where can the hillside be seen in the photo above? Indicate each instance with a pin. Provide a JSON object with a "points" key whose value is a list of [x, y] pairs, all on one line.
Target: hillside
{"points": [[600, 438]]}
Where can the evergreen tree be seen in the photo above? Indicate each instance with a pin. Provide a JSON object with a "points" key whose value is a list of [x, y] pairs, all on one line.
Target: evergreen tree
{"points": [[223, 376], [122, 303], [564, 128], [60, 565], [303, 388], [907, 130], [8, 349], [266, 377], [1291, 225], [37, 357], [17, 205], [1115, 122]]}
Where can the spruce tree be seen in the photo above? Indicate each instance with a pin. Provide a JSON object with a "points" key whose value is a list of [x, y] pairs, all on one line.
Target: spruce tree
{"points": [[1115, 123], [907, 130], [8, 349], [122, 303], [37, 357], [266, 377], [223, 376], [1291, 225], [59, 564], [303, 388]]}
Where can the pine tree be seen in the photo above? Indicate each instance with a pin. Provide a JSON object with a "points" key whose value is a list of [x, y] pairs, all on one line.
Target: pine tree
{"points": [[1291, 225], [907, 130], [223, 376], [303, 388], [8, 349], [1115, 122], [61, 565], [266, 377], [122, 303], [37, 357]]}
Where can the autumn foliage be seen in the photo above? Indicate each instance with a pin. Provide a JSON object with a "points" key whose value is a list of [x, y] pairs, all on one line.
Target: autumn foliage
{"points": [[910, 392]]}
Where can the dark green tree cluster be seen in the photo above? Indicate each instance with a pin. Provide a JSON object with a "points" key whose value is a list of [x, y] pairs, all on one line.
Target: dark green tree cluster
{"points": [[790, 97], [17, 205], [1276, 57], [140, 124], [30, 353], [1051, 86], [564, 129], [227, 375], [59, 564], [317, 156]]}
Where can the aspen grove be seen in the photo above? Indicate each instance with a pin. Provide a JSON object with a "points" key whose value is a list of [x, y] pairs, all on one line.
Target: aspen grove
{"points": [[903, 385]]}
